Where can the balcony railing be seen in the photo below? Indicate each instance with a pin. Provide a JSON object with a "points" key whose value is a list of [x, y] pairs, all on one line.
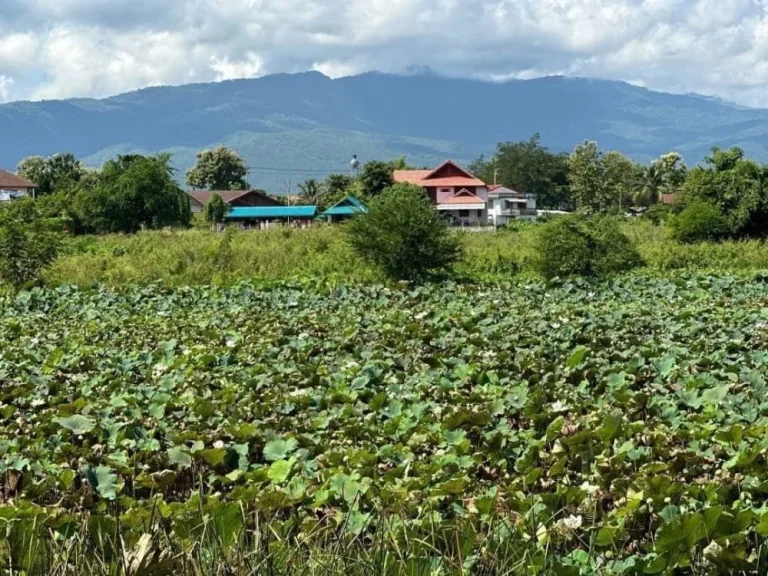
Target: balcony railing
{"points": [[518, 212]]}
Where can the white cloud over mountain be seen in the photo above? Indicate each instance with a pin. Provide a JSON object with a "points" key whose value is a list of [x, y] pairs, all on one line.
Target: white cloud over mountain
{"points": [[69, 48]]}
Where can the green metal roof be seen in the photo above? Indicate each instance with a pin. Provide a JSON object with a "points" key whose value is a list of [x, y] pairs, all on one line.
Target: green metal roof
{"points": [[353, 206], [255, 212]]}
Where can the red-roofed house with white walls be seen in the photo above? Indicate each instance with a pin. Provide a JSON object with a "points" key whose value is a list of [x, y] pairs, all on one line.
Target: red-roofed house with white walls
{"points": [[454, 191]]}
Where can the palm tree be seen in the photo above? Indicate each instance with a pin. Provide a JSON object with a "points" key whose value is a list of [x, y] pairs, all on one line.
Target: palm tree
{"points": [[654, 183], [310, 192]]}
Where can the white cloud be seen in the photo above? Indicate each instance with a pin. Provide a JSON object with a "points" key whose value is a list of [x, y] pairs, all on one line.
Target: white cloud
{"points": [[64, 48], [6, 84]]}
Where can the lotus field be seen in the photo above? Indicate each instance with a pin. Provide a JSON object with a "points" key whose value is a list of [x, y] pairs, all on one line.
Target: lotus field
{"points": [[611, 428]]}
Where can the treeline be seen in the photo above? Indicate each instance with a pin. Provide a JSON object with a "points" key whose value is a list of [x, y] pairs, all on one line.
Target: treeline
{"points": [[587, 178]]}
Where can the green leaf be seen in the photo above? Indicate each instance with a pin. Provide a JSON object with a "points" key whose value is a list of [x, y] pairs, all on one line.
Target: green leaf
{"points": [[577, 356], [104, 480], [279, 449], [213, 456], [715, 396], [77, 424], [180, 457], [279, 471]]}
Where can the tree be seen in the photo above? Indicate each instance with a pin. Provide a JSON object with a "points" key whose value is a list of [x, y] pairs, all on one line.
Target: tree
{"points": [[623, 179], [310, 192], [51, 174], [530, 168], [404, 236], [665, 175], [218, 169], [132, 192], [376, 177], [216, 210], [736, 186], [586, 176], [338, 184], [602, 181]]}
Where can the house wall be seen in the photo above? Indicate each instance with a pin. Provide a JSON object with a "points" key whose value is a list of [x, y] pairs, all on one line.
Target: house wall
{"points": [[467, 217], [8, 194]]}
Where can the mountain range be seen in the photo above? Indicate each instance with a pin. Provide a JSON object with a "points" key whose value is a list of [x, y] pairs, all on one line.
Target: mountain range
{"points": [[291, 127]]}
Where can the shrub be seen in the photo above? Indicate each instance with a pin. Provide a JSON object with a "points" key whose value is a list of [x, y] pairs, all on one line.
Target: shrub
{"points": [[579, 245], [658, 213], [404, 236], [25, 250], [700, 221]]}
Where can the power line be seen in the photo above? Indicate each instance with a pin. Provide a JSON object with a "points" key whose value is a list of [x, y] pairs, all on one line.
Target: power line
{"points": [[268, 169]]}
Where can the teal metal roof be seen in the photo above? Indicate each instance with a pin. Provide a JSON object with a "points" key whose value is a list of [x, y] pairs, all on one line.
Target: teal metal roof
{"points": [[255, 212], [347, 207]]}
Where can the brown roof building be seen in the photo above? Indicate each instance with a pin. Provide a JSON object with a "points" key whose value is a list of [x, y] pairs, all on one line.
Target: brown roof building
{"points": [[235, 198], [12, 186]]}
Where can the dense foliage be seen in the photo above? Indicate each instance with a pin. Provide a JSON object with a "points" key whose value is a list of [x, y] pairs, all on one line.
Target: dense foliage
{"points": [[131, 193], [699, 222], [218, 169], [404, 236], [29, 242], [530, 168], [592, 417], [580, 245], [216, 210], [52, 174], [734, 185]]}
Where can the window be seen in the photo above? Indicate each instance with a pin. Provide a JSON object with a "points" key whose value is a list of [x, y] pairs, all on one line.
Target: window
{"points": [[463, 213], [479, 213]]}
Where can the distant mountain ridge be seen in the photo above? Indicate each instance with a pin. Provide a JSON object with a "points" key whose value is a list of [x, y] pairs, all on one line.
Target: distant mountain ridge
{"points": [[293, 127]]}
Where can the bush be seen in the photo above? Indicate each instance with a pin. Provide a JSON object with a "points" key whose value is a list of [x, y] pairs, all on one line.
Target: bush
{"points": [[404, 236], [658, 213], [700, 222], [590, 246]]}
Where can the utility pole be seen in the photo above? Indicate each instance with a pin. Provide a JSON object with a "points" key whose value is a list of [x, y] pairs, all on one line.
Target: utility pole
{"points": [[288, 192], [495, 176]]}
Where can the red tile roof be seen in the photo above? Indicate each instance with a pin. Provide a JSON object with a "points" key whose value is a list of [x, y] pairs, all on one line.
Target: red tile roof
{"points": [[432, 178], [466, 198], [8, 180]]}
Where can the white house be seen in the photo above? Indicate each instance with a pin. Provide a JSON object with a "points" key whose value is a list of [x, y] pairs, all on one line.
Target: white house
{"points": [[505, 204], [454, 191], [13, 187]]}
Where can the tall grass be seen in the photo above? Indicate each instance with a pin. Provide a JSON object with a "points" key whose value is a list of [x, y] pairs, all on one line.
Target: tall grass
{"points": [[245, 544], [196, 257]]}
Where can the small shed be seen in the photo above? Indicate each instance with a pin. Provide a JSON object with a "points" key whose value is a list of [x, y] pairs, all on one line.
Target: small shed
{"points": [[264, 216], [344, 210]]}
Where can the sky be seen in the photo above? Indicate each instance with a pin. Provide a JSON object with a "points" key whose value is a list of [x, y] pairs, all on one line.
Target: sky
{"points": [[93, 48]]}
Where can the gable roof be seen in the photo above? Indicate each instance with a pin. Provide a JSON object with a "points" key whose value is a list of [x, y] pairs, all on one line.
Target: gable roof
{"points": [[498, 189], [8, 180], [347, 207], [464, 197], [255, 212], [442, 176], [229, 196]]}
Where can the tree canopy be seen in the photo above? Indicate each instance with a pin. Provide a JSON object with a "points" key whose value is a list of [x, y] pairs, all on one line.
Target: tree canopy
{"points": [[218, 169], [132, 192], [529, 168], [53, 173]]}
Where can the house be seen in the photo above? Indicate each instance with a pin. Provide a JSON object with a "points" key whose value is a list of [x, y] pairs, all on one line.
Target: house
{"points": [[344, 210], [13, 187], [505, 204], [264, 217], [235, 198], [454, 191]]}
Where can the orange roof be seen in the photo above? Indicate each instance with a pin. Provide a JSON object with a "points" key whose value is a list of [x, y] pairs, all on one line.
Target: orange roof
{"points": [[433, 178], [8, 180], [463, 197]]}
